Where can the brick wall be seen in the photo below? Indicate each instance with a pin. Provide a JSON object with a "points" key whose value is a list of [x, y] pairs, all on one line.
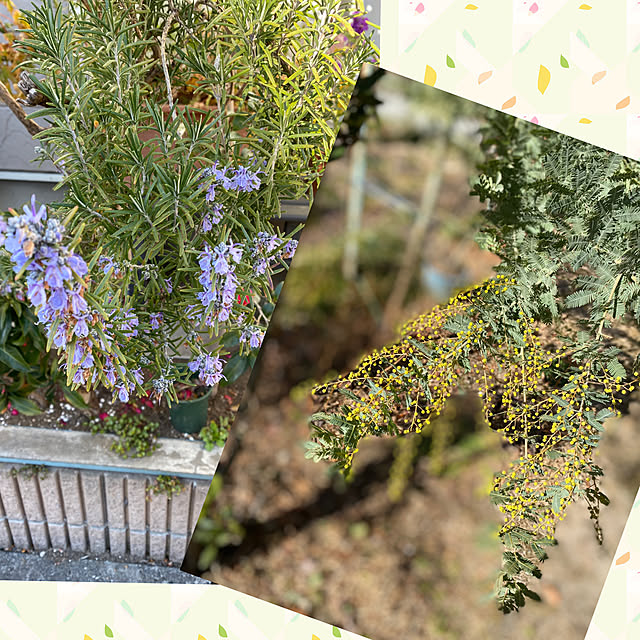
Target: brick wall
{"points": [[92, 511]]}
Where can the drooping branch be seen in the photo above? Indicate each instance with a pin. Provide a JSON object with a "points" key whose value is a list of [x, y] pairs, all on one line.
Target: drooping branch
{"points": [[31, 126]]}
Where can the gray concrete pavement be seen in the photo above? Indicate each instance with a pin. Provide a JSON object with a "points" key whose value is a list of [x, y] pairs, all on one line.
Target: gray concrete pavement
{"points": [[70, 567]]}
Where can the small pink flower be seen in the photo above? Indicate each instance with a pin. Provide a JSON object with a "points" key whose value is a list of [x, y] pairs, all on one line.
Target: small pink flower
{"points": [[14, 412], [103, 415]]}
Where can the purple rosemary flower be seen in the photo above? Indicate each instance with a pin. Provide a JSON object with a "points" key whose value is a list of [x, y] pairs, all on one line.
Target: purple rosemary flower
{"points": [[289, 249], [359, 24], [155, 319], [107, 263], [216, 213], [123, 393], [252, 335], [209, 368], [264, 253], [36, 245], [246, 180]]}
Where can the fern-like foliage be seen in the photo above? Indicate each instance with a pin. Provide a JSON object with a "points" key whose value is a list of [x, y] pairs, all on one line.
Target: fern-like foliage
{"points": [[535, 342]]}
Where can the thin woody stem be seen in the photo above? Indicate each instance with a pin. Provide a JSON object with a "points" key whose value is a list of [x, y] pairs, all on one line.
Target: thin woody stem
{"points": [[616, 284], [163, 60], [31, 126]]}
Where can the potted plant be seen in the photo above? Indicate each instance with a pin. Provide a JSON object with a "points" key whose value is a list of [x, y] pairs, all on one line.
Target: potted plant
{"points": [[178, 129], [189, 412], [157, 239]]}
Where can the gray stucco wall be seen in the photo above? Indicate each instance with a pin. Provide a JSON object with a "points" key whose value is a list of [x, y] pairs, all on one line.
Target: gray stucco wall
{"points": [[17, 157], [20, 175]]}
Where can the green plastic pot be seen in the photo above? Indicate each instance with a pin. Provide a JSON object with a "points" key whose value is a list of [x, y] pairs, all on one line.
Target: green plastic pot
{"points": [[190, 416]]}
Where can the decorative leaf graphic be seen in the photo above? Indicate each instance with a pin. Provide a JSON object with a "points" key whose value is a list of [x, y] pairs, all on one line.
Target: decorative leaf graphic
{"points": [[222, 632], [585, 7], [127, 608], [430, 76], [471, 7], [413, 44], [509, 103], [534, 8], [336, 632], [524, 46], [183, 616], [625, 557], [584, 121], [86, 637], [598, 76], [201, 637], [108, 632], [13, 607], [450, 63], [544, 77], [485, 75], [582, 38], [467, 36], [241, 608], [563, 62]]}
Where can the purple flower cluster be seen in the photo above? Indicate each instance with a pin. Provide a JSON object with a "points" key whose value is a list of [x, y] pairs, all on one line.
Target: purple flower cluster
{"points": [[219, 280], [253, 336], [213, 217], [219, 276], [155, 319], [107, 263], [209, 368], [269, 249], [359, 24], [55, 287], [240, 180]]}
